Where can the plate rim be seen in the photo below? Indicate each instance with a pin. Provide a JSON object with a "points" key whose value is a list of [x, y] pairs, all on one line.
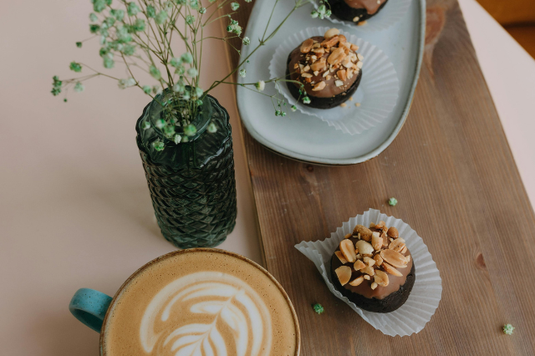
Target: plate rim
{"points": [[255, 14]]}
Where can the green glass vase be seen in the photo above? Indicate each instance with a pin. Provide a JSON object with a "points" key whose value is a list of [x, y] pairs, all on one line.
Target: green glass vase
{"points": [[192, 184]]}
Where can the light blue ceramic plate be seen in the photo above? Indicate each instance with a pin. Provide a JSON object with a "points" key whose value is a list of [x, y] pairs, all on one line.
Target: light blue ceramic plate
{"points": [[307, 138]]}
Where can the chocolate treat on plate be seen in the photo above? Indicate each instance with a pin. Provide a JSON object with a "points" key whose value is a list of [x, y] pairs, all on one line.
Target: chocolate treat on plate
{"points": [[356, 11], [373, 268], [328, 68]]}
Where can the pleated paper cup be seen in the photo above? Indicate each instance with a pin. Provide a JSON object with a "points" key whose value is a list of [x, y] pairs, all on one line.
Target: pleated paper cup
{"points": [[377, 93], [390, 14], [425, 296]]}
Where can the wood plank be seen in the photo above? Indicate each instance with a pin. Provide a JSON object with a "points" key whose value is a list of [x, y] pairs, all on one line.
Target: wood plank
{"points": [[457, 184]]}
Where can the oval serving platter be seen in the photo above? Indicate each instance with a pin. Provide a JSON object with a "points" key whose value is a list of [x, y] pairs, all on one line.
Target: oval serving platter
{"points": [[306, 138]]}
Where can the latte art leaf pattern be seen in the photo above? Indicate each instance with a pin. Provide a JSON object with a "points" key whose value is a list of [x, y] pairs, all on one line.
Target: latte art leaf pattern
{"points": [[207, 314]]}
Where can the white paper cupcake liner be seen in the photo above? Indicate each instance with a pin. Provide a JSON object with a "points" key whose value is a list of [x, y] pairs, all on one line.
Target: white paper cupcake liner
{"points": [[390, 14], [425, 296], [377, 93]]}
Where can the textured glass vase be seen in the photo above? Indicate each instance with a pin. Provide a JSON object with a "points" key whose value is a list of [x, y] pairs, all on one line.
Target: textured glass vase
{"points": [[192, 183]]}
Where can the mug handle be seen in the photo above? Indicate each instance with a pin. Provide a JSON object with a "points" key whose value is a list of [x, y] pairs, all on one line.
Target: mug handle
{"points": [[90, 307]]}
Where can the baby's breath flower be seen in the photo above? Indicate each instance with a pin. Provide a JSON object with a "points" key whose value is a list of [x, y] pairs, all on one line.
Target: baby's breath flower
{"points": [[234, 6], [248, 0], [126, 83], [260, 85], [185, 95], [122, 34], [94, 28], [508, 329], [198, 102], [108, 62], [179, 87], [79, 87], [243, 72], [139, 25], [177, 139], [146, 125], [76, 67], [202, 10], [306, 100], [169, 131], [246, 41], [190, 19], [110, 21], [118, 14], [321, 12], [192, 72], [212, 128], [294, 108], [194, 4], [198, 92], [147, 89], [79, 44], [128, 50], [158, 145], [151, 11], [161, 17], [174, 62], [234, 27], [155, 72], [99, 5], [156, 89], [190, 130], [186, 58], [56, 85], [93, 17], [314, 14], [180, 70], [132, 9], [160, 123]]}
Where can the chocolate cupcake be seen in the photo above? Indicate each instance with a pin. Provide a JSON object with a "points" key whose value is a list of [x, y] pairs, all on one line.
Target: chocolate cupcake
{"points": [[328, 70], [356, 11], [373, 268]]}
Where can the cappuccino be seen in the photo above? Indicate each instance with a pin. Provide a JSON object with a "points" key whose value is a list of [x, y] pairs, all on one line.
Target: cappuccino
{"points": [[200, 302]]}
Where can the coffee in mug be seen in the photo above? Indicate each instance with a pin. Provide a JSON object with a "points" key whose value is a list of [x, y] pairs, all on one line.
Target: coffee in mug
{"points": [[200, 302]]}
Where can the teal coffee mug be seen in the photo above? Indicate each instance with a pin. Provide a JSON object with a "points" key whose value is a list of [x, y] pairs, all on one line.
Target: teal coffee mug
{"points": [[199, 301]]}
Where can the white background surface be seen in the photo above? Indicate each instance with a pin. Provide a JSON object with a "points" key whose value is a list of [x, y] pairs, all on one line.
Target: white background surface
{"points": [[74, 207]]}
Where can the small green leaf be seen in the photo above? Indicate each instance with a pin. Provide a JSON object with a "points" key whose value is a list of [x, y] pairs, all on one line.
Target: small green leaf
{"points": [[318, 308]]}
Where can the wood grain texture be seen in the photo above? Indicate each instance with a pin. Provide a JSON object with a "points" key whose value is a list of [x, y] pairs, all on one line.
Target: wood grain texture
{"points": [[453, 174]]}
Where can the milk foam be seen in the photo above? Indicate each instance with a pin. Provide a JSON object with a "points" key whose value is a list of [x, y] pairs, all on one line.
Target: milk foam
{"points": [[227, 300]]}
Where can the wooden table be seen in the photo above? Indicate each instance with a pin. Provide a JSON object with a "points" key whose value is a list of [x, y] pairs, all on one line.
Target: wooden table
{"points": [[452, 171]]}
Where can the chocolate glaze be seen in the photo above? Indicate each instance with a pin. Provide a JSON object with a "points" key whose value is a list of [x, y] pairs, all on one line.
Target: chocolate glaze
{"points": [[344, 11], [371, 6], [386, 305], [325, 103], [364, 288], [330, 89]]}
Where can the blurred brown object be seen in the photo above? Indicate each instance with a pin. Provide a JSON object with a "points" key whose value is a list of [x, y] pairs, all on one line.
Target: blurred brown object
{"points": [[517, 17]]}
